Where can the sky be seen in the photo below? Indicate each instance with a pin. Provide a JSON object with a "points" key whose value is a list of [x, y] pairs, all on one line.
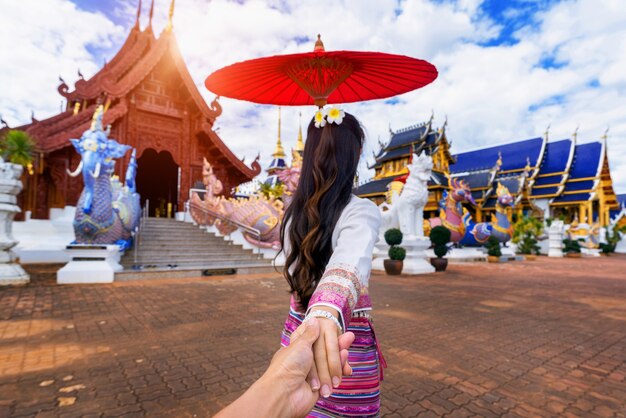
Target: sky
{"points": [[508, 69]]}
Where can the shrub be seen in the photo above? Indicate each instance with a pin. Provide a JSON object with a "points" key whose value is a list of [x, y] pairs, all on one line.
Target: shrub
{"points": [[493, 247], [393, 237], [571, 246], [525, 234], [397, 253], [440, 237]]}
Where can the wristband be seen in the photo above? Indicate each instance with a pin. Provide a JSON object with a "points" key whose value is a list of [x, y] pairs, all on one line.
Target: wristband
{"points": [[318, 313]]}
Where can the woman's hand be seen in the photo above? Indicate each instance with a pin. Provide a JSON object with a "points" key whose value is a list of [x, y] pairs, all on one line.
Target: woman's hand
{"points": [[327, 371]]}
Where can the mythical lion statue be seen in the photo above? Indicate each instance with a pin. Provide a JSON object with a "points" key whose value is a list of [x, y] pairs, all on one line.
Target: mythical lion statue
{"points": [[407, 210]]}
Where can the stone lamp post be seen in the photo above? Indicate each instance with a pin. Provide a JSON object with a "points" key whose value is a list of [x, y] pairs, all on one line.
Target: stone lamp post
{"points": [[11, 273]]}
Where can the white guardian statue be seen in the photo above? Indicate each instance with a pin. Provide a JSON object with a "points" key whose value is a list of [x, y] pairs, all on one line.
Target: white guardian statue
{"points": [[407, 210]]}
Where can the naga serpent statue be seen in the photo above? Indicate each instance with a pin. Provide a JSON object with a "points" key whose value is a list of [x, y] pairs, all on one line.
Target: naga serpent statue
{"points": [[107, 212], [501, 226], [451, 215], [257, 211]]}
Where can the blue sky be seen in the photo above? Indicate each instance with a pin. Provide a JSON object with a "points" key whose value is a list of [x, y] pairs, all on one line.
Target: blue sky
{"points": [[508, 69]]}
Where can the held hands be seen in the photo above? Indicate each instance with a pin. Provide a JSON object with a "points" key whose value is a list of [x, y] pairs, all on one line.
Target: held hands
{"points": [[283, 390], [330, 364]]}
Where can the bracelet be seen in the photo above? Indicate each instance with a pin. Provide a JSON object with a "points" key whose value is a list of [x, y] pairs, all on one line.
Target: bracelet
{"points": [[318, 313]]}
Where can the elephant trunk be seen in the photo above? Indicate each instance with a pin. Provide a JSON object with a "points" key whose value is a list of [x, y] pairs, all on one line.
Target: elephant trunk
{"points": [[77, 171], [96, 174]]}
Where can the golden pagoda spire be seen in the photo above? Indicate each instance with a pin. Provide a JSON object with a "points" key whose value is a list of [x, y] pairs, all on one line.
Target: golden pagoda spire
{"points": [[170, 15], [300, 142], [279, 152]]}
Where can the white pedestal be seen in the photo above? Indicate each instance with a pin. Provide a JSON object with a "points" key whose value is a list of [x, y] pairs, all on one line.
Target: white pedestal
{"points": [[463, 255], [380, 254], [90, 264], [555, 239], [590, 252], [11, 273], [416, 261]]}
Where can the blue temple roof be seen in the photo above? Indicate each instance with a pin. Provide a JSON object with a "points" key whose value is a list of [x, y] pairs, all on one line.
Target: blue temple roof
{"points": [[490, 203], [621, 200], [477, 180], [586, 160], [556, 157], [577, 197], [407, 136], [544, 191], [373, 186], [544, 181], [511, 183], [579, 185], [513, 156], [437, 178], [277, 163]]}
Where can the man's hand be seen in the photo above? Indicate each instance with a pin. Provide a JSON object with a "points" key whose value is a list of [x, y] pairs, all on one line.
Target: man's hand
{"points": [[291, 365], [283, 391]]}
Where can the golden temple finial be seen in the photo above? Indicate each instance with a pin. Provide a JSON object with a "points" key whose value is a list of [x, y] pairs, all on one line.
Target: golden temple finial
{"points": [[547, 131], [96, 120], [300, 142], [499, 161], [319, 45], [528, 167], [170, 15], [606, 134], [575, 134], [138, 15], [279, 152]]}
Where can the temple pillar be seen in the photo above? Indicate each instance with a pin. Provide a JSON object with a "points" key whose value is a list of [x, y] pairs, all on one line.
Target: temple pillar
{"points": [[479, 215], [581, 213]]}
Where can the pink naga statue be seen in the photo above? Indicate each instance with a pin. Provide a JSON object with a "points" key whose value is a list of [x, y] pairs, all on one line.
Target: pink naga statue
{"points": [[257, 211]]}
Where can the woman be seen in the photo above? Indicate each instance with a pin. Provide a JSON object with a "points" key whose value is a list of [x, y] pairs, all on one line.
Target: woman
{"points": [[328, 237]]}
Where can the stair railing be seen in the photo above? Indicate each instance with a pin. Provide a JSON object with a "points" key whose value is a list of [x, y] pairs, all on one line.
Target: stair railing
{"points": [[139, 228], [245, 228]]}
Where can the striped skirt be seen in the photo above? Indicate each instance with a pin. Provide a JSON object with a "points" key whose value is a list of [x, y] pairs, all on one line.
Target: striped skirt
{"points": [[359, 394]]}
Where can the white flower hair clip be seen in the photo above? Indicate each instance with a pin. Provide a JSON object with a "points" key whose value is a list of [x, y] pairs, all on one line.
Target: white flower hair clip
{"points": [[332, 115]]}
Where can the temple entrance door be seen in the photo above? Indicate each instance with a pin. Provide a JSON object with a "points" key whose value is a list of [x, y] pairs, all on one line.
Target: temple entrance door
{"points": [[157, 182]]}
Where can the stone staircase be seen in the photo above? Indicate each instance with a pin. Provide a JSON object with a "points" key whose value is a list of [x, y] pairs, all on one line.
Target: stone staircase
{"points": [[173, 249]]}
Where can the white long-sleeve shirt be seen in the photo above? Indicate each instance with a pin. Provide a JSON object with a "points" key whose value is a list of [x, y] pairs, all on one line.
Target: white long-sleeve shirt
{"points": [[344, 284]]}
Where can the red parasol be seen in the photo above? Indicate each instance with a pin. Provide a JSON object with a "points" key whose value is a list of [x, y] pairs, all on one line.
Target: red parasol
{"points": [[321, 77]]}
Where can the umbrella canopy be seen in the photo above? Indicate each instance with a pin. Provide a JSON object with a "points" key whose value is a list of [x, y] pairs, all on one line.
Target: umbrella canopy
{"points": [[321, 77]]}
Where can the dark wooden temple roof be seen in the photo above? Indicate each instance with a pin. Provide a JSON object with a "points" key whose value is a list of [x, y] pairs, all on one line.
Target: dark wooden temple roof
{"points": [[138, 56]]}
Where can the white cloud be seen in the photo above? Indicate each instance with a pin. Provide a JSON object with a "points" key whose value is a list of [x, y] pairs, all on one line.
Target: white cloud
{"points": [[491, 94], [40, 41]]}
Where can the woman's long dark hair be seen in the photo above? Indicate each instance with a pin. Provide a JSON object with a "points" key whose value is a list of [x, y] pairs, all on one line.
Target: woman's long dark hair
{"points": [[330, 161]]}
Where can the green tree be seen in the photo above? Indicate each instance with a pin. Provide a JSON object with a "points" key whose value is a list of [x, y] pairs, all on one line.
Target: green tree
{"points": [[18, 147]]}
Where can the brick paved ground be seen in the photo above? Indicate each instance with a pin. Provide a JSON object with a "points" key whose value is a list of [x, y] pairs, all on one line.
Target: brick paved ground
{"points": [[543, 338]]}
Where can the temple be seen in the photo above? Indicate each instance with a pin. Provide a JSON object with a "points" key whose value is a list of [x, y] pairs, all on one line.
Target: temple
{"points": [[391, 160], [152, 104], [546, 178]]}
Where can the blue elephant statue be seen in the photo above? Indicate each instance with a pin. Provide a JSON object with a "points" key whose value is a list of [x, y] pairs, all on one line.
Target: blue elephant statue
{"points": [[106, 212]]}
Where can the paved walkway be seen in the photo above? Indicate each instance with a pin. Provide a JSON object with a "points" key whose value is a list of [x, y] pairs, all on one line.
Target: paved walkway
{"points": [[542, 338]]}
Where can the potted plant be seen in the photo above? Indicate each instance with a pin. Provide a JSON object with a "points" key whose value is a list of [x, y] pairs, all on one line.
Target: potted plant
{"points": [[571, 248], [440, 237], [493, 250], [393, 265], [525, 234]]}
